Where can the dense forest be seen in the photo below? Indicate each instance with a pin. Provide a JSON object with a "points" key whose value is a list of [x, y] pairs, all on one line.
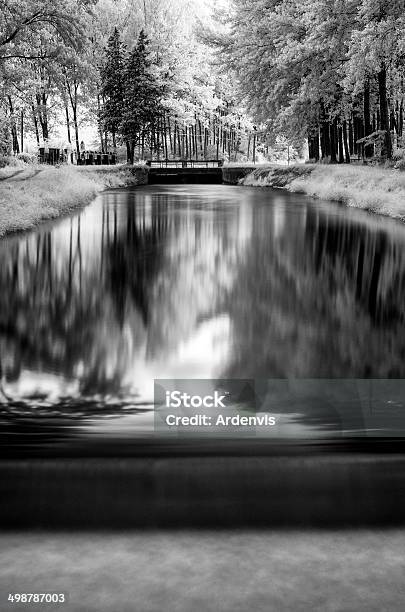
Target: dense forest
{"points": [[164, 79], [133, 68], [331, 71]]}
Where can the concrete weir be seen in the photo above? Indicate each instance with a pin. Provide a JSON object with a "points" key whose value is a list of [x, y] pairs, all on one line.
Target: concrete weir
{"points": [[195, 172], [185, 175]]}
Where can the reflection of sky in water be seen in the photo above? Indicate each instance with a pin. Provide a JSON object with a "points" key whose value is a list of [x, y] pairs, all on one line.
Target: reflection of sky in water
{"points": [[199, 282]]}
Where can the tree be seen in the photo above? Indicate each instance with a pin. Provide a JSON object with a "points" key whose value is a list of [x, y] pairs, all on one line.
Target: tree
{"points": [[142, 96], [37, 36], [20, 19], [331, 70], [113, 85]]}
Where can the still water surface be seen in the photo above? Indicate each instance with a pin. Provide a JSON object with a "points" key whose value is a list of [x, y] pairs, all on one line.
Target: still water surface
{"points": [[200, 281]]}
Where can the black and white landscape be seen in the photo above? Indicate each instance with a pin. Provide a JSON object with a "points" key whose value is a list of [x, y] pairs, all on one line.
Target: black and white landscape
{"points": [[202, 305]]}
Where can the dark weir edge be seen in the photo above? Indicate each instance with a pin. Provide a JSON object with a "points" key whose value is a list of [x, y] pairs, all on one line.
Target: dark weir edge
{"points": [[325, 491]]}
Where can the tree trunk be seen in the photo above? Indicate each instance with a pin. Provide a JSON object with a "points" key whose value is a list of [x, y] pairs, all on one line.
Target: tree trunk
{"points": [[22, 131], [68, 123], [35, 120], [200, 138], [340, 139], [355, 134], [386, 149], [43, 114], [333, 142], [351, 138], [76, 126], [165, 136], [369, 148], [16, 147], [170, 135], [254, 148], [313, 144], [345, 143], [100, 128], [175, 138]]}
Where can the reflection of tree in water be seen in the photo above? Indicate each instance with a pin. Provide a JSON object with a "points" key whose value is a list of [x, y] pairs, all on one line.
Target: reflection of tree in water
{"points": [[374, 267], [307, 296], [133, 258], [327, 299], [52, 306], [42, 308], [84, 309]]}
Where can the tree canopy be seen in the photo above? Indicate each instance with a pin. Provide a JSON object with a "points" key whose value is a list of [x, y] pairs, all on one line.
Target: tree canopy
{"points": [[330, 70]]}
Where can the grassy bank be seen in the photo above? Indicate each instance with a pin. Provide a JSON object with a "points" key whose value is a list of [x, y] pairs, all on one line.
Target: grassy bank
{"points": [[377, 190], [31, 194]]}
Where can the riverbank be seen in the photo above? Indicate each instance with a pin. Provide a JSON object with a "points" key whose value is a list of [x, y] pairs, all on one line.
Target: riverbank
{"points": [[377, 190], [31, 194]]}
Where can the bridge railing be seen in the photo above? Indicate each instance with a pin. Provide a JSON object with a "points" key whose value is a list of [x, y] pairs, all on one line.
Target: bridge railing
{"points": [[185, 163]]}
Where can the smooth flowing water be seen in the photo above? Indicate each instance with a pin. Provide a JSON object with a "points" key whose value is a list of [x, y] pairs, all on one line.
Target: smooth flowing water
{"points": [[200, 281]]}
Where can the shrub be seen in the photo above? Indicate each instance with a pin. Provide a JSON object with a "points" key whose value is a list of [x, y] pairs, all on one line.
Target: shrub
{"points": [[400, 164], [28, 158], [8, 160]]}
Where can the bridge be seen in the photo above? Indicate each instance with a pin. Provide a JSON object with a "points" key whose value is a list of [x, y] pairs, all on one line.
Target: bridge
{"points": [[185, 171]]}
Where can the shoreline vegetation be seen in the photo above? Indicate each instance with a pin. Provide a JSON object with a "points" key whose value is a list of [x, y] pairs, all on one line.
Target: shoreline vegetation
{"points": [[32, 194], [370, 188]]}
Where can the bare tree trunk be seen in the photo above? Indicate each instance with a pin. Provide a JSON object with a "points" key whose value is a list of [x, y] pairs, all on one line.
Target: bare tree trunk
{"points": [[165, 136], [179, 140], [16, 147], [340, 138], [43, 114], [351, 138], [22, 131], [254, 148], [386, 150], [368, 149], [76, 126], [35, 120], [170, 136], [100, 128], [333, 143], [68, 123], [345, 143]]}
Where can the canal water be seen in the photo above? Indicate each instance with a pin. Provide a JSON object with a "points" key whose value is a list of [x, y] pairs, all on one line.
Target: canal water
{"points": [[205, 282]]}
